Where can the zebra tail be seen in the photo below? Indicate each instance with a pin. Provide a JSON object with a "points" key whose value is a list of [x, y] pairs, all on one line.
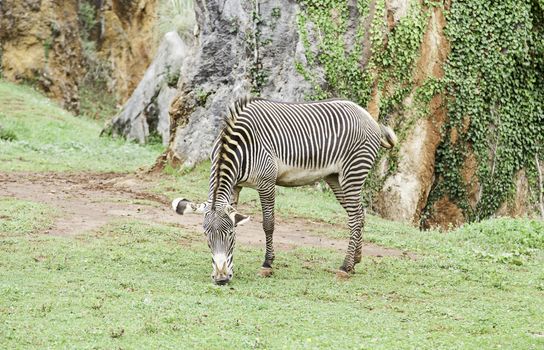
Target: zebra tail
{"points": [[389, 139]]}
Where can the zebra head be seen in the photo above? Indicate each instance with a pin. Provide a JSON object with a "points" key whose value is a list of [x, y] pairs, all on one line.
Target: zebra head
{"points": [[219, 228]]}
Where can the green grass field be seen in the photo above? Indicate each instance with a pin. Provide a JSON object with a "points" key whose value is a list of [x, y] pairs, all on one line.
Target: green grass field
{"points": [[136, 285], [47, 138]]}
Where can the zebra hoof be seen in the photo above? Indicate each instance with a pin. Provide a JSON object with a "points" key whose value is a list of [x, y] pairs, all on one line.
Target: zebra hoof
{"points": [[265, 272], [342, 275]]}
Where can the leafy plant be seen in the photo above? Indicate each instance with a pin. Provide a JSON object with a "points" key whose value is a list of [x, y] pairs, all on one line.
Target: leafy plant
{"points": [[87, 18], [494, 84]]}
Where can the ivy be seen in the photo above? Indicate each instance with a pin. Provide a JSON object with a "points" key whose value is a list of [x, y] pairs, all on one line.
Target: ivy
{"points": [[253, 40], [341, 66], [495, 87], [393, 53], [323, 26]]}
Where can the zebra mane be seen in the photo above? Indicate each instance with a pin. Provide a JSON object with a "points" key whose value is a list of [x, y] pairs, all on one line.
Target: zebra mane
{"points": [[234, 111]]}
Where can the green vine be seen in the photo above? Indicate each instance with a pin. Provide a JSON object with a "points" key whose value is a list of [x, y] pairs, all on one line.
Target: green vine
{"points": [[341, 67], [397, 59], [258, 76], [495, 86], [323, 27]]}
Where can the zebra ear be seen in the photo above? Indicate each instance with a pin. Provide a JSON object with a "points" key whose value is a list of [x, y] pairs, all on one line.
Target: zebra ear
{"points": [[183, 206], [240, 219], [237, 218]]}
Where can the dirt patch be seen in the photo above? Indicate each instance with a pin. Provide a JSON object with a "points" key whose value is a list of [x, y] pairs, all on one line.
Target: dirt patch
{"points": [[89, 201]]}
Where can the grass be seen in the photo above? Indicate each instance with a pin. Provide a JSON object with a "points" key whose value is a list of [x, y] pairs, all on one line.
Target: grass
{"points": [[135, 285], [176, 15], [43, 137], [21, 218]]}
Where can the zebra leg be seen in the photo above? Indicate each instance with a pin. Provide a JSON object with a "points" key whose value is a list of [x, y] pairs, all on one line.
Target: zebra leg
{"points": [[358, 256], [351, 180], [267, 197], [334, 184], [354, 209], [235, 195]]}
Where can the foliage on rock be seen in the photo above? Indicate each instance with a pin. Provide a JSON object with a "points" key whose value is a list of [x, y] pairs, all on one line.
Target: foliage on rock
{"points": [[347, 75], [386, 68], [495, 85]]}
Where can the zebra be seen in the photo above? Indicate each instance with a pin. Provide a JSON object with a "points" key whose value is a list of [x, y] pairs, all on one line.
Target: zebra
{"points": [[265, 143]]}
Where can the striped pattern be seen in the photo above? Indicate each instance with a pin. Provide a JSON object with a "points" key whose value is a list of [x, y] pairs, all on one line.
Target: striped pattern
{"points": [[267, 143]]}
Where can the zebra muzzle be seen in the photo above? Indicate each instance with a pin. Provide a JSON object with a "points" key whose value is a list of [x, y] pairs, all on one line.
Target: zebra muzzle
{"points": [[223, 269], [221, 273]]}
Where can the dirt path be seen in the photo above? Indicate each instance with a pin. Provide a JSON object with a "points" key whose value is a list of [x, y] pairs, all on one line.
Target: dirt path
{"points": [[89, 201]]}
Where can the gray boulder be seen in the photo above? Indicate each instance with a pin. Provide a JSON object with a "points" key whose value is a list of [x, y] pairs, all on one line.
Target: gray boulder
{"points": [[244, 48], [146, 111]]}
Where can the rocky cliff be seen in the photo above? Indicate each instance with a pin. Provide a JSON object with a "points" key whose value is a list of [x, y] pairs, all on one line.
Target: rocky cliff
{"points": [[44, 42], [265, 49], [403, 60], [146, 112], [243, 48], [127, 40], [462, 84], [40, 44], [405, 191]]}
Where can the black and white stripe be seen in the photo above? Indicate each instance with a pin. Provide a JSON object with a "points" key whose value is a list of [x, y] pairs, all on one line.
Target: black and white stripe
{"points": [[267, 143]]}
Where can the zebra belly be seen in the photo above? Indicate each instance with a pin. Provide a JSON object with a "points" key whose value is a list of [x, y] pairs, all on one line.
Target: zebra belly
{"points": [[290, 176]]}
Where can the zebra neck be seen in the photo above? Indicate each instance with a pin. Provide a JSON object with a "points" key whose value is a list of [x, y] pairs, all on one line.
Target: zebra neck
{"points": [[229, 174]]}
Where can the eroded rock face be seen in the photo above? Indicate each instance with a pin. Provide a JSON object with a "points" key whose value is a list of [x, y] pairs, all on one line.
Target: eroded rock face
{"points": [[40, 43], [236, 55], [221, 71], [146, 111], [127, 41], [404, 194]]}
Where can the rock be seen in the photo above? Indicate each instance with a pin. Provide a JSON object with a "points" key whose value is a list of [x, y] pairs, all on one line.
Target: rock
{"points": [[146, 111], [444, 214], [229, 62], [127, 41], [520, 203], [39, 42], [404, 194], [396, 9], [209, 84], [164, 100]]}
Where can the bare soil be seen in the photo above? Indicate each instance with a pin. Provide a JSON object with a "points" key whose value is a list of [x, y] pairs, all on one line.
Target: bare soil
{"points": [[88, 201]]}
